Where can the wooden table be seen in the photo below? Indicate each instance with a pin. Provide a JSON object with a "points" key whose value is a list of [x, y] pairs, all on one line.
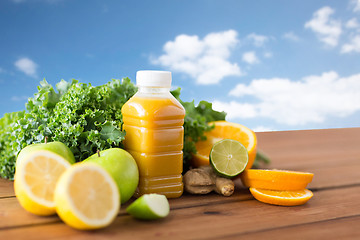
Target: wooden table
{"points": [[333, 155]]}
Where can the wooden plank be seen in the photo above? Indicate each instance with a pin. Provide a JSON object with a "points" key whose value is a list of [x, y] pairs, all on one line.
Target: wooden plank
{"points": [[215, 221], [342, 175], [280, 139], [330, 174], [13, 215], [6, 188], [338, 228], [16, 216], [332, 155], [310, 148]]}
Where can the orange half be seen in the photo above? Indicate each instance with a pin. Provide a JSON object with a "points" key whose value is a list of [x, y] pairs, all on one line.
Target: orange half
{"points": [[282, 198], [276, 179], [225, 130]]}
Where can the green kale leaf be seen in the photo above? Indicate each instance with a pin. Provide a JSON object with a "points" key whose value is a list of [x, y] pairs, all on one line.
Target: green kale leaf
{"points": [[196, 124], [84, 117]]}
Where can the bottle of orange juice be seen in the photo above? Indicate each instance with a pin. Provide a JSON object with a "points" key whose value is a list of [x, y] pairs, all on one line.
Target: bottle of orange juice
{"points": [[153, 121]]}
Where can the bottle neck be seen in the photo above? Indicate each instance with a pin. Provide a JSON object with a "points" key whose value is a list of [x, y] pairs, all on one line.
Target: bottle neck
{"points": [[153, 90]]}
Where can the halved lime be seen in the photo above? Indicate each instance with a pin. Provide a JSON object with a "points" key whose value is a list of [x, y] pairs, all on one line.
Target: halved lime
{"points": [[228, 157], [149, 207]]}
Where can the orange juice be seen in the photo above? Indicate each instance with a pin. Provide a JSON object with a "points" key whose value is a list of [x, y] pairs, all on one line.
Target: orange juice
{"points": [[153, 121]]}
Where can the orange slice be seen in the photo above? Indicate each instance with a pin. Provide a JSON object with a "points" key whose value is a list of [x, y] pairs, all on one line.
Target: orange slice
{"points": [[282, 198], [276, 179], [225, 130]]}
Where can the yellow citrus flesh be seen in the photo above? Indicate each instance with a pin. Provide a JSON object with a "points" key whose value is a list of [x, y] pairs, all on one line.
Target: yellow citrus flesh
{"points": [[35, 181], [276, 179], [225, 130], [282, 198], [87, 197]]}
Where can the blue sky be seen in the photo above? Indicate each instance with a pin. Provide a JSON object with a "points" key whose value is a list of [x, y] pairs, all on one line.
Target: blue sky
{"points": [[271, 65]]}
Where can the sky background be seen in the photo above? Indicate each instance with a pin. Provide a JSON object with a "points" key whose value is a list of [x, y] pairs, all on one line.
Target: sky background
{"points": [[271, 65]]}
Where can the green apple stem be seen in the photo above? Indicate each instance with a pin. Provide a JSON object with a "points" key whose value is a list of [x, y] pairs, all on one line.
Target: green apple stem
{"points": [[98, 152], [46, 138]]}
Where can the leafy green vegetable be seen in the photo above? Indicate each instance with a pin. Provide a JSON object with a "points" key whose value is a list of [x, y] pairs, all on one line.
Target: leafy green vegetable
{"points": [[86, 118], [7, 154], [196, 124]]}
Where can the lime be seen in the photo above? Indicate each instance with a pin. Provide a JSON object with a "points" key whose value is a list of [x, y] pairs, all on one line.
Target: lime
{"points": [[149, 207], [228, 157], [225, 130]]}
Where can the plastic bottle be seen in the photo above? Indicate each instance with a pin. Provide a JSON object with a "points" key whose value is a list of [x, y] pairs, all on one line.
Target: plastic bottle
{"points": [[153, 121]]}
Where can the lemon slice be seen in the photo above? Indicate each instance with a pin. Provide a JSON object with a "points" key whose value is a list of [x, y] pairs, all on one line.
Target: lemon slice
{"points": [[282, 198], [87, 197], [149, 207], [35, 181], [228, 157]]}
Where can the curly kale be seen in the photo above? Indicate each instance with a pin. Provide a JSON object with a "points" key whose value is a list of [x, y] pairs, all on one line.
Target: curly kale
{"points": [[84, 117], [7, 154]]}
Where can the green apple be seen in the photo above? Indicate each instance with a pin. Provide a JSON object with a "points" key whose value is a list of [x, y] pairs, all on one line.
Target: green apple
{"points": [[149, 207], [122, 167], [58, 148]]}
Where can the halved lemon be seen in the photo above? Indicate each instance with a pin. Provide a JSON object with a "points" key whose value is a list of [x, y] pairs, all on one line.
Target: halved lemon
{"points": [[282, 198], [87, 197], [225, 130], [35, 181]]}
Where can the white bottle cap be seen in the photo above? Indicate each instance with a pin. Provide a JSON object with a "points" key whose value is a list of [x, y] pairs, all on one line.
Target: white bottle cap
{"points": [[147, 78]]}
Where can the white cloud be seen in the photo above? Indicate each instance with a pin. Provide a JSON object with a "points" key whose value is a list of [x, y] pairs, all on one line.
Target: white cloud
{"points": [[2, 70], [205, 60], [352, 46], [263, 129], [268, 54], [327, 29], [310, 100], [250, 58], [352, 23], [356, 4], [291, 36], [27, 66], [235, 109], [258, 40], [19, 98]]}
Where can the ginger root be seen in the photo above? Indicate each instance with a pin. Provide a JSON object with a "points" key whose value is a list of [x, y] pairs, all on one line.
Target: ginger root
{"points": [[203, 180]]}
